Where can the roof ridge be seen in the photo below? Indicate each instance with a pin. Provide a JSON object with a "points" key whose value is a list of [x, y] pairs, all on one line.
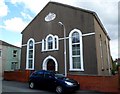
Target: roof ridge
{"points": [[7, 44]]}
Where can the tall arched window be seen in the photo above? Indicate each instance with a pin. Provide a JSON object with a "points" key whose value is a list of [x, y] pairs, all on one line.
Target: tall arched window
{"points": [[75, 50], [56, 42], [30, 54], [50, 42]]}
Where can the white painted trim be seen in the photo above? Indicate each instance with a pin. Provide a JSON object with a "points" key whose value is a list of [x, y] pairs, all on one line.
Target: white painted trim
{"points": [[24, 45], [27, 55], [38, 42], [44, 65], [63, 38], [43, 45], [88, 34], [70, 51]]}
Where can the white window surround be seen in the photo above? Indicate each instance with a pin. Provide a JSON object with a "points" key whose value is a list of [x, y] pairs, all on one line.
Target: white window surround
{"points": [[0, 53], [57, 42], [47, 40], [70, 51], [44, 66], [45, 43], [27, 56]]}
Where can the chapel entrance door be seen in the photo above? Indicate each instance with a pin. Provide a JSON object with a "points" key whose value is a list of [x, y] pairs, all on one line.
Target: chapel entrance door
{"points": [[51, 65]]}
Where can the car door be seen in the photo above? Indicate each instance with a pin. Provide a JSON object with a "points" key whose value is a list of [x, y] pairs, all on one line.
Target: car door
{"points": [[49, 80], [40, 79]]}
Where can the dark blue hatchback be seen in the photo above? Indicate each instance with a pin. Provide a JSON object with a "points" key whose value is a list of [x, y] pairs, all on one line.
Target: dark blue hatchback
{"points": [[50, 80]]}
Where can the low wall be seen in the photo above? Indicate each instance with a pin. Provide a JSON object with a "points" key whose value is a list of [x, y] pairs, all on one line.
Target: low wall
{"points": [[98, 83], [22, 76]]}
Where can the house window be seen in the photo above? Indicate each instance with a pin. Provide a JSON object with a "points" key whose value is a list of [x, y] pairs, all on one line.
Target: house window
{"points": [[14, 53], [75, 50], [50, 43], [14, 65], [30, 54], [0, 53]]}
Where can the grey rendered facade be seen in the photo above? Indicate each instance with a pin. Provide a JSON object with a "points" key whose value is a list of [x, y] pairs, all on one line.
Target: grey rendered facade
{"points": [[9, 57], [92, 56]]}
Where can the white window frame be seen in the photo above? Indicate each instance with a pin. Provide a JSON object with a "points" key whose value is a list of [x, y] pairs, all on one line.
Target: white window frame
{"points": [[45, 43], [0, 53], [70, 51], [27, 57], [57, 44], [53, 43]]}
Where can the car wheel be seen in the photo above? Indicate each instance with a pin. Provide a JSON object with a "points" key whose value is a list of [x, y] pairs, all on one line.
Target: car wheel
{"points": [[59, 90], [31, 85]]}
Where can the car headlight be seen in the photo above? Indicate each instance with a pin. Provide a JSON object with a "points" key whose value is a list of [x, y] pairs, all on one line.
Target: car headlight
{"points": [[69, 83]]}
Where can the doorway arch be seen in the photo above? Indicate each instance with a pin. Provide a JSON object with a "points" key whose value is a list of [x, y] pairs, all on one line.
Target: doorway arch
{"points": [[51, 65], [46, 63]]}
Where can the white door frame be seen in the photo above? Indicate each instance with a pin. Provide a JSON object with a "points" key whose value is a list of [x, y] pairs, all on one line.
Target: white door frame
{"points": [[45, 61]]}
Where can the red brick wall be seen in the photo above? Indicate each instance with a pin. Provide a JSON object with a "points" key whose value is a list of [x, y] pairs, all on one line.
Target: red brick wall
{"points": [[98, 83], [21, 76]]}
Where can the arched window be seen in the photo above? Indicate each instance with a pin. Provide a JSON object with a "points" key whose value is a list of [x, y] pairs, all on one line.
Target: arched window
{"points": [[30, 54], [75, 50], [56, 42], [50, 43]]}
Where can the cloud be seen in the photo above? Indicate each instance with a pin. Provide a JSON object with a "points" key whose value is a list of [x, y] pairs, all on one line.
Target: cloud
{"points": [[15, 24], [33, 5], [112, 31], [26, 16], [3, 8], [114, 48]]}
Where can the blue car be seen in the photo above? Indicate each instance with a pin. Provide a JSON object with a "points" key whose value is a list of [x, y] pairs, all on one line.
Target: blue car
{"points": [[50, 80]]}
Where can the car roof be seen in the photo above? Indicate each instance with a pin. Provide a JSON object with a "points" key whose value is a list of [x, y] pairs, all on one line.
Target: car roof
{"points": [[47, 71]]}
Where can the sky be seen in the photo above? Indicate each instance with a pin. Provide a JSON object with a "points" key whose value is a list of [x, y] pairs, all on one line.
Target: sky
{"points": [[15, 15]]}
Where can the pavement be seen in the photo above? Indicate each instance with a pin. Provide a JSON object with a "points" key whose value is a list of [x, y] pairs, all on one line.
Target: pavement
{"points": [[13, 87]]}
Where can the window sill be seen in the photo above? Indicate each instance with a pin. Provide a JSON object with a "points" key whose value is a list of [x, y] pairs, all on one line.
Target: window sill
{"points": [[76, 69], [29, 69], [50, 50]]}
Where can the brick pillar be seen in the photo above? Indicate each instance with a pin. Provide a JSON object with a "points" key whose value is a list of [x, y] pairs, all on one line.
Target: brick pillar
{"points": [[27, 74]]}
